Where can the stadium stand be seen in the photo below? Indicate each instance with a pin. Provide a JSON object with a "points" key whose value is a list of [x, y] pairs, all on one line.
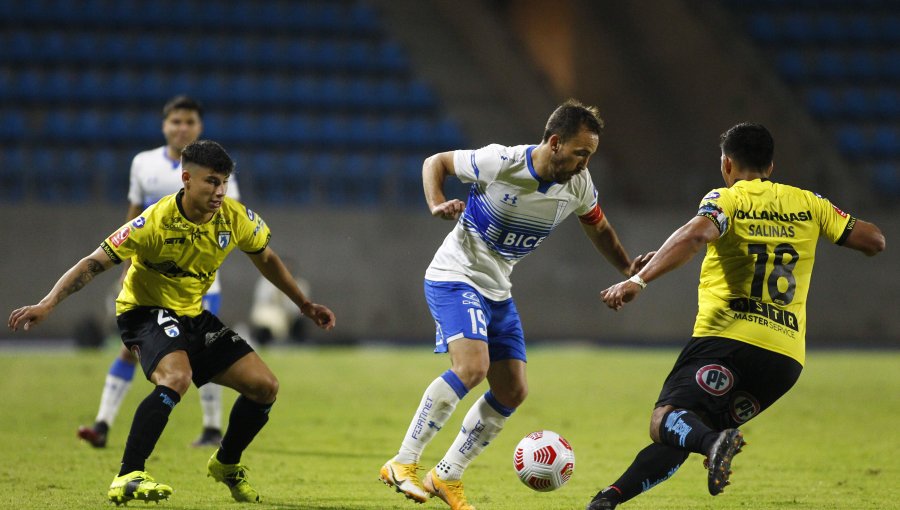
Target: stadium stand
{"points": [[311, 96], [842, 60]]}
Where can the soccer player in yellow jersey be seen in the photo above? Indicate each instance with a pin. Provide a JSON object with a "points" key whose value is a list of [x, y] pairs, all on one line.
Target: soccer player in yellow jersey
{"points": [[748, 344], [176, 246]]}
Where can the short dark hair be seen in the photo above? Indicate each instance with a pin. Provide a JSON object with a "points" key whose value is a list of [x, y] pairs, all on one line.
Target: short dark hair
{"points": [[568, 118], [209, 154], [751, 145], [181, 102]]}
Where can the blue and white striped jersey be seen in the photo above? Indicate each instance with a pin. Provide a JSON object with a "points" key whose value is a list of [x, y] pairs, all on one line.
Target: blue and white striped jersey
{"points": [[509, 213]]}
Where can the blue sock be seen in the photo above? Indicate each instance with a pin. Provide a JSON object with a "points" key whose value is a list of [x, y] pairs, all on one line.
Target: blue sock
{"points": [[454, 381], [122, 369]]}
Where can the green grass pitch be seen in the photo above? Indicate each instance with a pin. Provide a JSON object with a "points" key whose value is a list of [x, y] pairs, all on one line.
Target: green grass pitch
{"points": [[831, 443]]}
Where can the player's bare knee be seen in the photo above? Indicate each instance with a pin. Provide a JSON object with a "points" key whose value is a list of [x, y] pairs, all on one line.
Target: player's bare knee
{"points": [[127, 356], [512, 397], [471, 374], [263, 390], [178, 381]]}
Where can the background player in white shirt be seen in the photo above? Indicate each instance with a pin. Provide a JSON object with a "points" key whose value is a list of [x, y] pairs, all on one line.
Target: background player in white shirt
{"points": [[154, 174], [518, 196]]}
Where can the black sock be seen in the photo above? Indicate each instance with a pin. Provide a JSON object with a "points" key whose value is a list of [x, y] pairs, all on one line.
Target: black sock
{"points": [[150, 419], [652, 466], [683, 429], [246, 420]]}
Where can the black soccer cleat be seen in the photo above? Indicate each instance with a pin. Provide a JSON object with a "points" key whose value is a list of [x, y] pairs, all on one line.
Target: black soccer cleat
{"points": [[601, 501], [601, 504], [727, 445], [210, 437], [95, 435]]}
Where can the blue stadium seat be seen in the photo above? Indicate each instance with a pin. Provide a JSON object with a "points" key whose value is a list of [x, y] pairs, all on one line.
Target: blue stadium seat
{"points": [[297, 184], [821, 103], [797, 29], [852, 142], [855, 103], [887, 103], [886, 143], [830, 65], [12, 174], [114, 169], [792, 65], [886, 179], [14, 126], [303, 75], [829, 28], [763, 28]]}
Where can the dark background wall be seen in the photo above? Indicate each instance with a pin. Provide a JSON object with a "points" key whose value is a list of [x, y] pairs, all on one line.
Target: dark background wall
{"points": [[330, 107]]}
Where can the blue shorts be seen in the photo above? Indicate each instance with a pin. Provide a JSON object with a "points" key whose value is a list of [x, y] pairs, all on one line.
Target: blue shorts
{"points": [[212, 302], [460, 311]]}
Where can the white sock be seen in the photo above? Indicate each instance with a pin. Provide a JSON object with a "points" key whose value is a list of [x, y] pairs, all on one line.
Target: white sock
{"points": [[114, 390], [438, 403], [480, 426], [211, 402]]}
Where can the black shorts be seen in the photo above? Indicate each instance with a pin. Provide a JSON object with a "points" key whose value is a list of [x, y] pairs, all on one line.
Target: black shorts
{"points": [[727, 381], [151, 333]]}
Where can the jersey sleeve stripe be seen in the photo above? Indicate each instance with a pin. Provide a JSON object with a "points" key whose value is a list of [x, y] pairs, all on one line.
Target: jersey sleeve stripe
{"points": [[110, 253], [849, 228]]}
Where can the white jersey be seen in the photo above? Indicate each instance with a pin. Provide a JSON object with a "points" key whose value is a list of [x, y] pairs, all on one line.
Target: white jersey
{"points": [[510, 211], [155, 175]]}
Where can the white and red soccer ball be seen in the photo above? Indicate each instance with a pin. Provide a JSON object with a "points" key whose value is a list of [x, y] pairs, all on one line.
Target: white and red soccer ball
{"points": [[544, 460]]}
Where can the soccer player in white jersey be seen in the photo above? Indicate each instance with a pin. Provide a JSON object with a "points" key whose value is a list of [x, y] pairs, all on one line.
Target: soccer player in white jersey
{"points": [[154, 174], [518, 196]]}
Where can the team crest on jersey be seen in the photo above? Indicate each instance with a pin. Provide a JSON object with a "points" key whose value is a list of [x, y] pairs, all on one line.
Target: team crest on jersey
{"points": [[224, 238], [743, 406], [715, 379], [251, 214], [120, 236], [139, 222], [172, 331]]}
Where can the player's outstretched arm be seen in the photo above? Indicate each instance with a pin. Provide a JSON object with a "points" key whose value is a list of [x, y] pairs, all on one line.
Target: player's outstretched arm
{"points": [[678, 249], [865, 237], [434, 170], [604, 237], [273, 269], [71, 282]]}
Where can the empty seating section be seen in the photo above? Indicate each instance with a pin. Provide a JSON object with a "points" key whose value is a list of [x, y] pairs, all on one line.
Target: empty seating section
{"points": [[843, 61], [314, 99]]}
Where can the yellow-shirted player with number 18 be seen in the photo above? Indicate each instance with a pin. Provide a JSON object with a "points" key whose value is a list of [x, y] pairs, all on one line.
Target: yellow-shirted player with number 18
{"points": [[748, 344]]}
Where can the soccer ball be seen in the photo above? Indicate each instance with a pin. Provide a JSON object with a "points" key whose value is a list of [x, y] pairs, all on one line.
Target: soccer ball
{"points": [[544, 461]]}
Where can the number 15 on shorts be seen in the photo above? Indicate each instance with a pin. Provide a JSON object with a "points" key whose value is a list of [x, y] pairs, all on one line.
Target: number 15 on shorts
{"points": [[479, 323]]}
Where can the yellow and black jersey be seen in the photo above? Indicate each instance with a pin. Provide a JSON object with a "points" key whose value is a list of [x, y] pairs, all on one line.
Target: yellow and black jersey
{"points": [[755, 276], [175, 261]]}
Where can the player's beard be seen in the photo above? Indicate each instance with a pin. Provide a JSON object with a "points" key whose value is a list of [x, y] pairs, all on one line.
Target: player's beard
{"points": [[557, 171]]}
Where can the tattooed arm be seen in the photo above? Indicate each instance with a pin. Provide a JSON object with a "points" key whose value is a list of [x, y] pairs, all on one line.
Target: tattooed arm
{"points": [[71, 282]]}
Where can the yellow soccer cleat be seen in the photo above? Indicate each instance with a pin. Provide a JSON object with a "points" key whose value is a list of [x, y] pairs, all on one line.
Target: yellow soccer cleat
{"points": [[450, 491], [404, 479], [235, 477], [137, 485]]}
